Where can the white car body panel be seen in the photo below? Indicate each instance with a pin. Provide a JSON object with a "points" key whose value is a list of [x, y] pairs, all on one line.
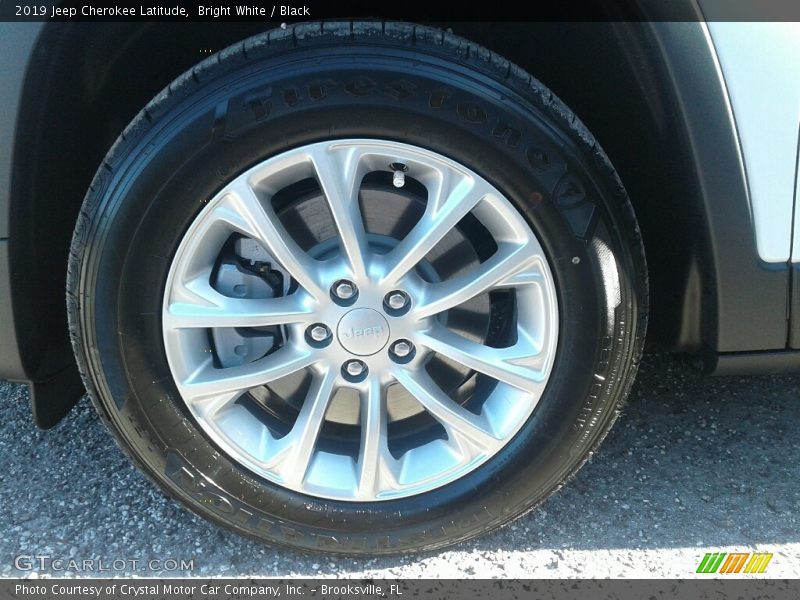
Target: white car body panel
{"points": [[796, 241], [761, 66]]}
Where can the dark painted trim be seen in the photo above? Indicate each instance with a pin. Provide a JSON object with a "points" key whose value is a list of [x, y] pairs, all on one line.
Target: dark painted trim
{"points": [[54, 397], [17, 42], [794, 325], [743, 304], [752, 363], [10, 360]]}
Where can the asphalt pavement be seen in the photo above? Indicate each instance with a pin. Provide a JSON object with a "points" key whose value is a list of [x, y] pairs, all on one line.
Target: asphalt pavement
{"points": [[694, 465]]}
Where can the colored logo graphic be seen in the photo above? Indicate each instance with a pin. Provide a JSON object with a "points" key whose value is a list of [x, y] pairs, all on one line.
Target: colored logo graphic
{"points": [[734, 562]]}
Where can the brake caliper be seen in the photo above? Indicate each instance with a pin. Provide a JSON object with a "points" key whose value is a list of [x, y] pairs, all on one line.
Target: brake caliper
{"points": [[248, 272]]}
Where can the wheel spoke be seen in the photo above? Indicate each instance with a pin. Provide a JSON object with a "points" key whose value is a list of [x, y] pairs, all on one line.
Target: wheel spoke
{"points": [[455, 196], [242, 209], [516, 366], [305, 432], [211, 406], [511, 262], [457, 420], [374, 437], [203, 306], [339, 174], [209, 381]]}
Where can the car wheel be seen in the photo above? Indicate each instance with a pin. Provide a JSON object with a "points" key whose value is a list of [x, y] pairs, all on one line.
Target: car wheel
{"points": [[360, 287]]}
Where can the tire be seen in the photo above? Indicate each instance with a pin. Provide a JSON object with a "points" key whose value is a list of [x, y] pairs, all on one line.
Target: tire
{"points": [[309, 84]]}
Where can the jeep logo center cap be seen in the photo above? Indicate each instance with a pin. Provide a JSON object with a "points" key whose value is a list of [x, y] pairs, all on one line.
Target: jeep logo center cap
{"points": [[363, 331]]}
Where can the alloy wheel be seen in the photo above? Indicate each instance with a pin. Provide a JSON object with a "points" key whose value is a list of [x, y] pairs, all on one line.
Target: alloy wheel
{"points": [[360, 320]]}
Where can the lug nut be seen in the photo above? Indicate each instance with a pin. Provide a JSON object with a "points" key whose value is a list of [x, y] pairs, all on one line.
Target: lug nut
{"points": [[319, 333], [396, 300], [402, 348], [355, 368], [344, 290]]}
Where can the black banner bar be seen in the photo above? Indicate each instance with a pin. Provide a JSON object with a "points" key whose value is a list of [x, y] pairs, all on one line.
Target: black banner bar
{"points": [[319, 589], [289, 11]]}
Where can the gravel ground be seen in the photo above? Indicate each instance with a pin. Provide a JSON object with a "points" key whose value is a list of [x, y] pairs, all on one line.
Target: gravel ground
{"points": [[694, 465]]}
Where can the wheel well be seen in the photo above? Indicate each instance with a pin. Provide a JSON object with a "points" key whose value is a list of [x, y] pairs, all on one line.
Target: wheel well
{"points": [[86, 81], [613, 77]]}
